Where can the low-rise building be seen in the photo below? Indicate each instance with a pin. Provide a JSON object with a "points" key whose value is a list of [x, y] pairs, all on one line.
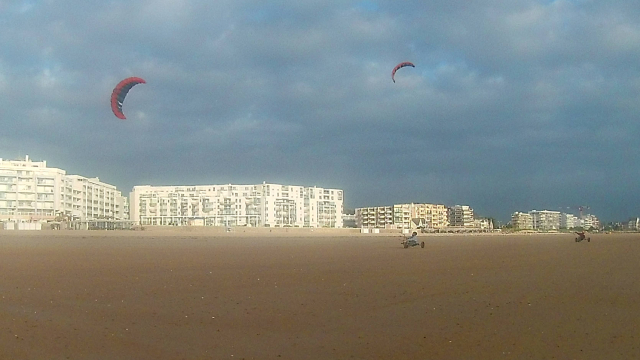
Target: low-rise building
{"points": [[483, 224]]}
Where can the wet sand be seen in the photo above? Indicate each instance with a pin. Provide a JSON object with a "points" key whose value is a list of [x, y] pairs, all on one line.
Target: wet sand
{"points": [[139, 295]]}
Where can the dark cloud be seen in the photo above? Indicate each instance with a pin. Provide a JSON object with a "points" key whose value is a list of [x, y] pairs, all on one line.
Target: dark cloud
{"points": [[513, 105]]}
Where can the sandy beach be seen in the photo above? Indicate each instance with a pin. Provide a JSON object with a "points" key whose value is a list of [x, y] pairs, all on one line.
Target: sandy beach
{"points": [[197, 295]]}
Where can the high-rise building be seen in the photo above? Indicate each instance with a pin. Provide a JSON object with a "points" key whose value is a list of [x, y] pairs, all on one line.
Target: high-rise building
{"points": [[270, 205], [31, 191]]}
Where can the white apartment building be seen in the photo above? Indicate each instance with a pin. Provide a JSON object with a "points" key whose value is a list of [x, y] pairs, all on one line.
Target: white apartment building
{"points": [[433, 216], [268, 205], [545, 219], [461, 215], [520, 220], [92, 199], [552, 220], [380, 217], [31, 191], [589, 221], [569, 221]]}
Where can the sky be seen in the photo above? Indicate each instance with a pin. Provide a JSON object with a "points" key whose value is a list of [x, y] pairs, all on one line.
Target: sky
{"points": [[513, 105]]}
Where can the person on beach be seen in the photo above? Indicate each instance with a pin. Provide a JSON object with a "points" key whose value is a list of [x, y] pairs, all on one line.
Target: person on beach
{"points": [[581, 235], [412, 240]]}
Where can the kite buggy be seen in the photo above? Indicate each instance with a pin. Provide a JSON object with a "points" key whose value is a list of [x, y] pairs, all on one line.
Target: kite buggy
{"points": [[582, 236], [412, 241]]}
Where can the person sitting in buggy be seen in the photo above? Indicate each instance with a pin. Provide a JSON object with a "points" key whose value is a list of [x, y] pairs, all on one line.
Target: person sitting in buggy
{"points": [[412, 240], [582, 236]]}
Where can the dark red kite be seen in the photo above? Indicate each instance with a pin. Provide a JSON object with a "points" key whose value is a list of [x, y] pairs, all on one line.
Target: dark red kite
{"points": [[120, 92], [399, 66]]}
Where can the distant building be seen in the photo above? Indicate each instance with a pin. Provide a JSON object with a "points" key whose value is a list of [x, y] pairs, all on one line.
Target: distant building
{"points": [[403, 216], [545, 220], [461, 215], [483, 224], [632, 225], [522, 221], [31, 191], [349, 221], [268, 205], [428, 216], [569, 221], [589, 221], [380, 217]]}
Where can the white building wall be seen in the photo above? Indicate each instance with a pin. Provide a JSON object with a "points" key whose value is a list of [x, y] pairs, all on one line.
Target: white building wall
{"points": [[589, 221], [92, 199], [545, 219], [272, 205], [31, 191], [520, 220], [569, 221]]}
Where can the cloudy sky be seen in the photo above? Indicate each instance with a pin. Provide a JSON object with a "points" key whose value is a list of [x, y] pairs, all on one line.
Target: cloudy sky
{"points": [[513, 105]]}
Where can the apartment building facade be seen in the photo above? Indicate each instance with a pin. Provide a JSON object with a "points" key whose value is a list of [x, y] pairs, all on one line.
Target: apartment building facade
{"points": [[380, 217], [431, 216], [589, 221], [521, 220], [545, 219], [461, 215], [260, 205], [569, 221], [403, 216], [31, 191]]}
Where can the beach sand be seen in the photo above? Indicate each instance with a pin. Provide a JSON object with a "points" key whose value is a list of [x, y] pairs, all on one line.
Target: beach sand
{"points": [[181, 295]]}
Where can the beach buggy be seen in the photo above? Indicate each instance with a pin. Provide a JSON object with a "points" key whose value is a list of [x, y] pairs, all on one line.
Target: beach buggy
{"points": [[582, 236], [412, 241]]}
